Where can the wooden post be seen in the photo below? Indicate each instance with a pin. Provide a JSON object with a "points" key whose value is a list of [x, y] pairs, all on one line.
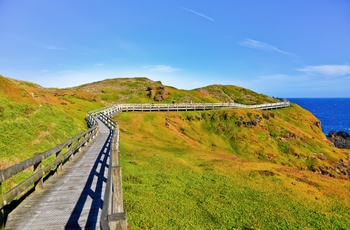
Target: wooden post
{"points": [[117, 193], [59, 166], [39, 185], [2, 214], [2, 219]]}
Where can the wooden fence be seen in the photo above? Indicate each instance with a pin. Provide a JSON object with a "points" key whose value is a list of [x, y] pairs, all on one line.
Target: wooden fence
{"points": [[113, 110], [197, 106], [113, 215]]}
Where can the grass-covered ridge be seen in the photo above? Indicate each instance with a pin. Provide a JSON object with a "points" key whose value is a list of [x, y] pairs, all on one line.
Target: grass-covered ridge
{"points": [[205, 170], [143, 90]]}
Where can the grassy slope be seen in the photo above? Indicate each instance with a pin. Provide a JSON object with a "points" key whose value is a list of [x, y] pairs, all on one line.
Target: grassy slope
{"points": [[34, 119], [184, 170]]}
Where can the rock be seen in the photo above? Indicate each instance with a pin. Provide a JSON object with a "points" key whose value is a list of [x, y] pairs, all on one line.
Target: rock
{"points": [[158, 93], [340, 139]]}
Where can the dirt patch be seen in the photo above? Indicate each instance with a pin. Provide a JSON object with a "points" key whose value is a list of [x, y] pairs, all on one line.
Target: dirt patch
{"points": [[266, 173]]}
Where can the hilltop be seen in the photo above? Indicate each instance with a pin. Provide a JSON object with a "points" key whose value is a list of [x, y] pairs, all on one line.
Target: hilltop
{"points": [[143, 90]]}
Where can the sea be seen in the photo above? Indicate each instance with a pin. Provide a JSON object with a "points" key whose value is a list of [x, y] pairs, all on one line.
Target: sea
{"points": [[334, 113]]}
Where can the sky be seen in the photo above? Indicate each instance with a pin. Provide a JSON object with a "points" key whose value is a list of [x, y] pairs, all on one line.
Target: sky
{"points": [[289, 48]]}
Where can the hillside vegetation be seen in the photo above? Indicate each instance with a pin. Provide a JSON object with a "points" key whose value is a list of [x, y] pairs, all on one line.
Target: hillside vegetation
{"points": [[34, 119], [219, 170], [223, 169]]}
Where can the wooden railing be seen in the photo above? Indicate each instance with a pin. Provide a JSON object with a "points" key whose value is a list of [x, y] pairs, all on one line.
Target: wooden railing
{"points": [[113, 215], [118, 108], [198, 106], [61, 153]]}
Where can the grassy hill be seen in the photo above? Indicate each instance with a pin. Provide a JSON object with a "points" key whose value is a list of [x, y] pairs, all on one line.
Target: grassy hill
{"points": [[143, 90], [224, 169], [28, 124], [215, 170]]}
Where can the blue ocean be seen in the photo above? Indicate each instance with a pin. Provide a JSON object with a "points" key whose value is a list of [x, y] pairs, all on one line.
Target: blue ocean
{"points": [[334, 113]]}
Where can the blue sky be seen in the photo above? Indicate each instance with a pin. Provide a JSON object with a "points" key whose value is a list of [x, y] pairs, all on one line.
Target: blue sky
{"points": [[289, 48]]}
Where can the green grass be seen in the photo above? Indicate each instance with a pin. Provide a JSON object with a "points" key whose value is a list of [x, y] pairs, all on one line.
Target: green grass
{"points": [[26, 129], [182, 177]]}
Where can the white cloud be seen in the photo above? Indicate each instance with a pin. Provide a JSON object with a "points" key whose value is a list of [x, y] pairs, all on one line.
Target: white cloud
{"points": [[51, 47], [327, 70], [254, 44], [197, 13], [161, 69]]}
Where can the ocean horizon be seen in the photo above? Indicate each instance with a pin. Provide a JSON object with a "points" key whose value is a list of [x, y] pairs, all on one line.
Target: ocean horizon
{"points": [[334, 113]]}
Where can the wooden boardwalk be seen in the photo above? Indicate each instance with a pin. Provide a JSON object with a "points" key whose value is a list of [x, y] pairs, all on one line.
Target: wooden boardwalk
{"points": [[72, 199]]}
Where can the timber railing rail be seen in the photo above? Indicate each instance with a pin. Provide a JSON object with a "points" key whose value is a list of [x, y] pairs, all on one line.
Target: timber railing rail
{"points": [[118, 108], [113, 215], [198, 106]]}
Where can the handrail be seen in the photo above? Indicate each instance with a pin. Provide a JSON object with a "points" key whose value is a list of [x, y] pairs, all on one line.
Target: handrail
{"points": [[113, 215], [194, 106]]}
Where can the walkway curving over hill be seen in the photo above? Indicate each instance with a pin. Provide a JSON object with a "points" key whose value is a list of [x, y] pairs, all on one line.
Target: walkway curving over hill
{"points": [[86, 193], [72, 199]]}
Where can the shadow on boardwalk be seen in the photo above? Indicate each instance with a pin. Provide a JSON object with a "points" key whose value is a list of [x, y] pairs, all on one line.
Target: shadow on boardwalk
{"points": [[94, 188]]}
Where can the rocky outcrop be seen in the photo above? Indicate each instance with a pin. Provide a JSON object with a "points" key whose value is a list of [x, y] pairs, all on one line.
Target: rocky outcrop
{"points": [[340, 139], [341, 167], [158, 93]]}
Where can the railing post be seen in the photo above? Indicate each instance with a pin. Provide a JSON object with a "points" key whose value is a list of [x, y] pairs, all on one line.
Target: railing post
{"points": [[39, 185], [2, 219], [59, 166], [2, 212]]}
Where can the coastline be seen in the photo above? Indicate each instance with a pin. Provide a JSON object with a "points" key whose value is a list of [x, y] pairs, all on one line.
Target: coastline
{"points": [[333, 113]]}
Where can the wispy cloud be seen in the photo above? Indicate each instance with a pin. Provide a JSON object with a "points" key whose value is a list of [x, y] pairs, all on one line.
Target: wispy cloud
{"points": [[51, 47], [254, 44], [327, 70], [197, 13], [161, 68]]}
